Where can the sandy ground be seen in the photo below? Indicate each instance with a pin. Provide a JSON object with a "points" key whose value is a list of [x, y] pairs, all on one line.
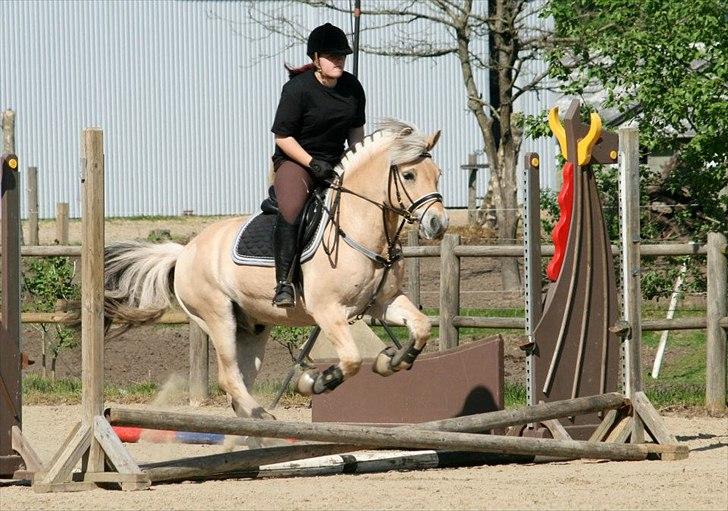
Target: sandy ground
{"points": [[700, 482]]}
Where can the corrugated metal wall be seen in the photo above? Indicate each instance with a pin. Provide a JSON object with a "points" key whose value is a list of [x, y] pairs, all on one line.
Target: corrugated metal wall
{"points": [[186, 99]]}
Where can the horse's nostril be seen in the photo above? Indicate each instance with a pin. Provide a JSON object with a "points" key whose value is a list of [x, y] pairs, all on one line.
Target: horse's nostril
{"points": [[434, 224]]}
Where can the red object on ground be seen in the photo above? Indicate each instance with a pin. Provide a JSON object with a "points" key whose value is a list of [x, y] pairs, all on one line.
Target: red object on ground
{"points": [[560, 234], [128, 434]]}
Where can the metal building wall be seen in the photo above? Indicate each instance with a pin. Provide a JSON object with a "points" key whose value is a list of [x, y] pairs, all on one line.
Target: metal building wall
{"points": [[186, 98]]}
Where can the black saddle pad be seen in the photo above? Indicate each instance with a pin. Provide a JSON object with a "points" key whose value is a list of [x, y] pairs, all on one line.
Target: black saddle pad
{"points": [[254, 243]]}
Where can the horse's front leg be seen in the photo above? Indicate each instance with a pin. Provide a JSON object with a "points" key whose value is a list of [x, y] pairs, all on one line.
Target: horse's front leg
{"points": [[334, 324], [401, 310]]}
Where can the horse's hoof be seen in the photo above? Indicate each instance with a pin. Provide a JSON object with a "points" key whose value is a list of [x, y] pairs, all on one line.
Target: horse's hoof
{"points": [[383, 363], [306, 382], [267, 416]]}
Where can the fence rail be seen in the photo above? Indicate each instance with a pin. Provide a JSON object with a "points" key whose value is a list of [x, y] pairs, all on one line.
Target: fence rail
{"points": [[449, 320]]}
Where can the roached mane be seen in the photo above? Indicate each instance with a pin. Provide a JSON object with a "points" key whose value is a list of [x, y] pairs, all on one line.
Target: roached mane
{"points": [[408, 144]]}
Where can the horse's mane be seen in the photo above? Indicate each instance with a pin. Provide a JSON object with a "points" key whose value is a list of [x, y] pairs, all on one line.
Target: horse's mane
{"points": [[407, 143]]}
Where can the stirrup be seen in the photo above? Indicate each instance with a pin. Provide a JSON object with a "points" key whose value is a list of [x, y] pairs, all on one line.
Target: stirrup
{"points": [[285, 295]]}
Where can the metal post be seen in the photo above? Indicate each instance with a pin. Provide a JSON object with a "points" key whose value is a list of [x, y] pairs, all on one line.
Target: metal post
{"points": [[532, 261]]}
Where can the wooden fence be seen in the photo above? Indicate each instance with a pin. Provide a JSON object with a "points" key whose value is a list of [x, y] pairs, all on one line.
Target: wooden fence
{"points": [[449, 320]]}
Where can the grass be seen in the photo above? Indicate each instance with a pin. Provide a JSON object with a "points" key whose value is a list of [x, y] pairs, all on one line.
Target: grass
{"points": [[67, 391]]}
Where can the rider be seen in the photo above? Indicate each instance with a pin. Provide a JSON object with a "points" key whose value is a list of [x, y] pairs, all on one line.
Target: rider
{"points": [[321, 107]]}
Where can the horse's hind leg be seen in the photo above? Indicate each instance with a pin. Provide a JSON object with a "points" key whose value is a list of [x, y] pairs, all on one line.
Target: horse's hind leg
{"points": [[219, 322]]}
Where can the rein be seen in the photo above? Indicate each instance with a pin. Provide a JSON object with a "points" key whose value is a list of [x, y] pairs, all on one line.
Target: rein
{"points": [[394, 248]]}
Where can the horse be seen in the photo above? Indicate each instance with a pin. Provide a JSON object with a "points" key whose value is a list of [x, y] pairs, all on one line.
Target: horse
{"points": [[383, 182]]}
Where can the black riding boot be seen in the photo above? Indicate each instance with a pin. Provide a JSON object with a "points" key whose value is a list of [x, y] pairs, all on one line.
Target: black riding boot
{"points": [[285, 241]]}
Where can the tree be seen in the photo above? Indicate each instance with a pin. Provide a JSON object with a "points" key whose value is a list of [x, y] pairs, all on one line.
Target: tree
{"points": [[665, 64], [513, 43]]}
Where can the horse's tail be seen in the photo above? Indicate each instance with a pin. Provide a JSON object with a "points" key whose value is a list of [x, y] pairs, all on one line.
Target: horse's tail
{"points": [[138, 281]]}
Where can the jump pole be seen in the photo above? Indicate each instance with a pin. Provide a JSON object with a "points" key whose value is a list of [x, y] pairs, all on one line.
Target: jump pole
{"points": [[379, 437]]}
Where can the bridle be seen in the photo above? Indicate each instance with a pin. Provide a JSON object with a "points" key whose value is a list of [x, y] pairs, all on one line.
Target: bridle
{"points": [[406, 213]]}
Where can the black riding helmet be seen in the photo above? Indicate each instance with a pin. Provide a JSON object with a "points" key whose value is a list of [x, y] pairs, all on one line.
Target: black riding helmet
{"points": [[328, 39]]}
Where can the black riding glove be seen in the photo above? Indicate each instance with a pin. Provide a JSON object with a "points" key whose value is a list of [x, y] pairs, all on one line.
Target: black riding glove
{"points": [[321, 170]]}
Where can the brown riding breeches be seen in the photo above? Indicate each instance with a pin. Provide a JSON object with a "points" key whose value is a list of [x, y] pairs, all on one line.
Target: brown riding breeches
{"points": [[292, 185]]}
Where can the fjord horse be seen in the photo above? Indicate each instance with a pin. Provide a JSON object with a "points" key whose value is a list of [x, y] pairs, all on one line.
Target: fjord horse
{"points": [[387, 179]]}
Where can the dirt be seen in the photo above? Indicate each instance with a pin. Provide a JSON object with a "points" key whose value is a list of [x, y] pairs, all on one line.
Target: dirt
{"points": [[699, 482]]}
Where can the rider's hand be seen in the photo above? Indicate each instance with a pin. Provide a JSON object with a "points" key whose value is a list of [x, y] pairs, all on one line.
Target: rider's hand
{"points": [[321, 170]]}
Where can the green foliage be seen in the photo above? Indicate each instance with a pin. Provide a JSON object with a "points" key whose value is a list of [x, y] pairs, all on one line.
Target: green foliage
{"points": [[671, 59], [291, 338], [45, 281], [49, 279]]}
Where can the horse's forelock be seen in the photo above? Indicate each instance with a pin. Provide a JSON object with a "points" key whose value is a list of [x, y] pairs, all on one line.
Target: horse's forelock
{"points": [[409, 142]]}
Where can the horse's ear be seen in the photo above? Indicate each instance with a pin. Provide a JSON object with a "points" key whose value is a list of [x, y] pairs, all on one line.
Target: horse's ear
{"points": [[432, 139]]}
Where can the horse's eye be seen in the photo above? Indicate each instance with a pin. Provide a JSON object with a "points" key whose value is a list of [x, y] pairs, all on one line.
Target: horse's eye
{"points": [[409, 176]]}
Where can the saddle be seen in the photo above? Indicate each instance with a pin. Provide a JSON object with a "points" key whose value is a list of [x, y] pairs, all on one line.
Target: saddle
{"points": [[254, 243]]}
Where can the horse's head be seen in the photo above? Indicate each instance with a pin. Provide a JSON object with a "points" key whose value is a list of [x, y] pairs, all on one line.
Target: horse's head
{"points": [[414, 178]]}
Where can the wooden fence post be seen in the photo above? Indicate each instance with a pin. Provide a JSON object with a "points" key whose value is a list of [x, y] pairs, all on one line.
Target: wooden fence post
{"points": [[199, 365], [92, 300], [32, 190], [631, 270], [449, 291], [715, 373], [413, 269], [62, 223]]}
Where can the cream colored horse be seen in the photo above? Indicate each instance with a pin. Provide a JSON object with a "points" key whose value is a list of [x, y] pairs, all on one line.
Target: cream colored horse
{"points": [[383, 177]]}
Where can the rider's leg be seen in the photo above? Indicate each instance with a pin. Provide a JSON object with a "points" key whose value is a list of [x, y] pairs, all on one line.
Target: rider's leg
{"points": [[292, 185]]}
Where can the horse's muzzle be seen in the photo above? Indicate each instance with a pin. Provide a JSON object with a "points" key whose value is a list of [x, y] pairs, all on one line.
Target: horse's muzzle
{"points": [[433, 224]]}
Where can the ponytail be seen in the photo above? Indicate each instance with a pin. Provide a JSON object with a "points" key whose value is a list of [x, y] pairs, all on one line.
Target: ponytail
{"points": [[293, 71]]}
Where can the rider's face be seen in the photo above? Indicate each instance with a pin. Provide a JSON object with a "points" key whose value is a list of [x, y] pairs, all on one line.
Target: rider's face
{"points": [[332, 66]]}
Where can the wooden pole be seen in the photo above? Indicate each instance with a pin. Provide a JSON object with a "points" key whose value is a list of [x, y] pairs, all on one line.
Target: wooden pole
{"points": [[8, 122], [631, 271], [199, 365], [413, 269], [715, 383], [10, 372], [366, 436], [449, 291], [482, 422], [32, 190], [206, 467], [92, 299], [62, 219]]}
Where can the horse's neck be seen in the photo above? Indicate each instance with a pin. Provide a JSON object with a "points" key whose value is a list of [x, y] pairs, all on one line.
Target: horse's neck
{"points": [[360, 219]]}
